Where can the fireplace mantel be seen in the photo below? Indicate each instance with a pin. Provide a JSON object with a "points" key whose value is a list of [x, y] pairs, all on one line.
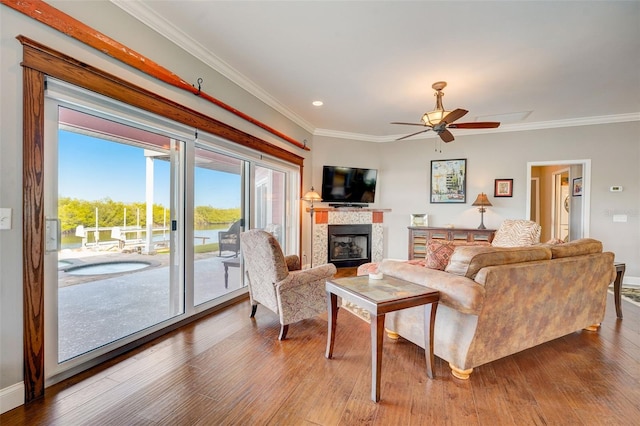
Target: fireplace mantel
{"points": [[348, 209], [325, 216]]}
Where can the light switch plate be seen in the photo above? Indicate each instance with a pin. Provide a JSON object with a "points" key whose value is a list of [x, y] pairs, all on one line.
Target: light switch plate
{"points": [[619, 217], [5, 218]]}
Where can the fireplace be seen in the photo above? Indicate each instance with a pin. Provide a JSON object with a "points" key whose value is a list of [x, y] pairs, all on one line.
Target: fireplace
{"points": [[349, 245], [326, 217]]}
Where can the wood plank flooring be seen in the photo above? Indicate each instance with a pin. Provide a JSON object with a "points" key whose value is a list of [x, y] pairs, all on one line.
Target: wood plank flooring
{"points": [[227, 369]]}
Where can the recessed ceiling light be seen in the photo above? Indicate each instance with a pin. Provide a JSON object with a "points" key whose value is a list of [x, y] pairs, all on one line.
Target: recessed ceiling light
{"points": [[317, 103]]}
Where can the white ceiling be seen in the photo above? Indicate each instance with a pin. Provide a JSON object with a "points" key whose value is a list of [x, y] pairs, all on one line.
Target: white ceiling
{"points": [[373, 62]]}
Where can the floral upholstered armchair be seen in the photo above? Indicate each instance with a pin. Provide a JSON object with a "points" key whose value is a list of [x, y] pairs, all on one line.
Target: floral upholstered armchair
{"points": [[276, 281]]}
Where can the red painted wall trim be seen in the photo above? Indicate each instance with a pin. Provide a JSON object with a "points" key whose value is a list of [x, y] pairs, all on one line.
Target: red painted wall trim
{"points": [[60, 21], [322, 217]]}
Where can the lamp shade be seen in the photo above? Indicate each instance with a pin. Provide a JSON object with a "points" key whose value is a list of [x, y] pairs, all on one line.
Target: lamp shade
{"points": [[433, 118], [312, 196], [481, 200]]}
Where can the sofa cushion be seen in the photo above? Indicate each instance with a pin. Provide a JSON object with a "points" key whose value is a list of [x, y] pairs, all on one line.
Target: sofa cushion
{"points": [[367, 268], [460, 293], [466, 261], [576, 248], [555, 241], [372, 267], [517, 233]]}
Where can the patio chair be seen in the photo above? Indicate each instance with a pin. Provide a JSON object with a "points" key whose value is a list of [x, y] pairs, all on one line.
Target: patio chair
{"points": [[230, 240], [277, 282]]}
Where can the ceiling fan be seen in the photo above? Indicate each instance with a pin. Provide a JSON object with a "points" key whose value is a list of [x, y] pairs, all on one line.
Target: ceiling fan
{"points": [[440, 121]]}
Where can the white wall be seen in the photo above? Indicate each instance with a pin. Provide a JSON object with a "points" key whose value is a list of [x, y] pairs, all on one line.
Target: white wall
{"points": [[614, 150]]}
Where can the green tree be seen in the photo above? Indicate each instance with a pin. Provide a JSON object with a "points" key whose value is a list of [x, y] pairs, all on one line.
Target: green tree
{"points": [[73, 213]]}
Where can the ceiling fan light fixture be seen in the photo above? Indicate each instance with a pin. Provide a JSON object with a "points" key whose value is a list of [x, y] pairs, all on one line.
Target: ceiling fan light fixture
{"points": [[440, 120], [434, 118]]}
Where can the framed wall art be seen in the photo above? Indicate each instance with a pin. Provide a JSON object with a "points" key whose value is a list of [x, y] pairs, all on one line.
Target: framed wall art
{"points": [[419, 219], [577, 187], [503, 188], [449, 181]]}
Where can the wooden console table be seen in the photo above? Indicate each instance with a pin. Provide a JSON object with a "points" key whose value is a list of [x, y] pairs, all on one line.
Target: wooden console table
{"points": [[419, 235]]}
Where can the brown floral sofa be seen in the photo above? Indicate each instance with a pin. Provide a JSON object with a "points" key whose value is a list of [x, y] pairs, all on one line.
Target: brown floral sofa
{"points": [[496, 301]]}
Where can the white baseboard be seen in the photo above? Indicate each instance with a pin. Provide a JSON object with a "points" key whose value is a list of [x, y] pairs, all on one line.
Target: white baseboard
{"points": [[631, 281], [11, 397]]}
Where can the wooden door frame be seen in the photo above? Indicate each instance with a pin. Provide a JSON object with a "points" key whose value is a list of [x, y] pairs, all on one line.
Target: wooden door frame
{"points": [[38, 62], [556, 200]]}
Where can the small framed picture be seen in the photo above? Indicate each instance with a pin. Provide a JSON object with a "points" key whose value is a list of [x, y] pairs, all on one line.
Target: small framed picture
{"points": [[577, 187], [503, 188], [419, 219]]}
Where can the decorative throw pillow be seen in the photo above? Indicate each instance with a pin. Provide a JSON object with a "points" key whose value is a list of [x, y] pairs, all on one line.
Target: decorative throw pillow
{"points": [[438, 253], [517, 233]]}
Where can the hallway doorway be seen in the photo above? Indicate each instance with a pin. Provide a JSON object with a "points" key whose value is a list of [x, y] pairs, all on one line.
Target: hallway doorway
{"points": [[551, 206]]}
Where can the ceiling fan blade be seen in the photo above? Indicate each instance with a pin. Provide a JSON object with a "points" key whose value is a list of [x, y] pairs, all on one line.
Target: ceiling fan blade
{"points": [[409, 124], [413, 134], [477, 125], [454, 115], [446, 135]]}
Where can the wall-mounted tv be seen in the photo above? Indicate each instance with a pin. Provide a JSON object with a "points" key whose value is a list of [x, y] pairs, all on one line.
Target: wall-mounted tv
{"points": [[348, 185]]}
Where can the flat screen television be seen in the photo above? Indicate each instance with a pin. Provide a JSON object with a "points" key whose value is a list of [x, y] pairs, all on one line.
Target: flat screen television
{"points": [[348, 185]]}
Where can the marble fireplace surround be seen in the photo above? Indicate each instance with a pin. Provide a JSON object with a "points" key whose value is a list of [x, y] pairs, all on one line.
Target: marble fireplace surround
{"points": [[347, 216]]}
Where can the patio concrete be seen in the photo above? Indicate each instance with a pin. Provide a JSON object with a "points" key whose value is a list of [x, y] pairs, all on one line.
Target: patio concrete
{"points": [[94, 310]]}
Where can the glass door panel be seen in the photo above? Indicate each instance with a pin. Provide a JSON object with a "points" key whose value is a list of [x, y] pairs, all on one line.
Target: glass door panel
{"points": [[118, 258], [217, 223], [270, 202]]}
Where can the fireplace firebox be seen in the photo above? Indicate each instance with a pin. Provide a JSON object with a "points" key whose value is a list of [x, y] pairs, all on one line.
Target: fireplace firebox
{"points": [[349, 245]]}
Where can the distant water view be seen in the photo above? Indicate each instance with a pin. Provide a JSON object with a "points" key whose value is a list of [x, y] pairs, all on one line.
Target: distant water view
{"points": [[206, 235]]}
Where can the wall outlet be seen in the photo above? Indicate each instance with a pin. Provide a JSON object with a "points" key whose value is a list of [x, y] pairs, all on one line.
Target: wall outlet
{"points": [[5, 218], [619, 217], [615, 188]]}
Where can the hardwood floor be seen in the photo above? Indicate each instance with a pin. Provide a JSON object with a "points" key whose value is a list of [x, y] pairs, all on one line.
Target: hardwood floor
{"points": [[227, 369]]}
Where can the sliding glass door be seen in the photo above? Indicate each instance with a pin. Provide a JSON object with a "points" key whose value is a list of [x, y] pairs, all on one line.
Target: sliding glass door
{"points": [[143, 223], [218, 219], [113, 253], [270, 197]]}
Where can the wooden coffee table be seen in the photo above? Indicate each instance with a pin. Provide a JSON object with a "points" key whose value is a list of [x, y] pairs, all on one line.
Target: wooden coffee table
{"points": [[379, 297]]}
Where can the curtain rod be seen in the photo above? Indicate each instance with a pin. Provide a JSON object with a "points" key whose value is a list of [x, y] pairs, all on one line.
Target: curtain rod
{"points": [[60, 21]]}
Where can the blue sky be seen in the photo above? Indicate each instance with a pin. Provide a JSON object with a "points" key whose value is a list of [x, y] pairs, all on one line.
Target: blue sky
{"points": [[93, 169]]}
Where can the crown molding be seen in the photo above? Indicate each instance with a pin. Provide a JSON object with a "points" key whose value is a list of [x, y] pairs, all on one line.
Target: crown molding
{"points": [[165, 28], [517, 127], [172, 33]]}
